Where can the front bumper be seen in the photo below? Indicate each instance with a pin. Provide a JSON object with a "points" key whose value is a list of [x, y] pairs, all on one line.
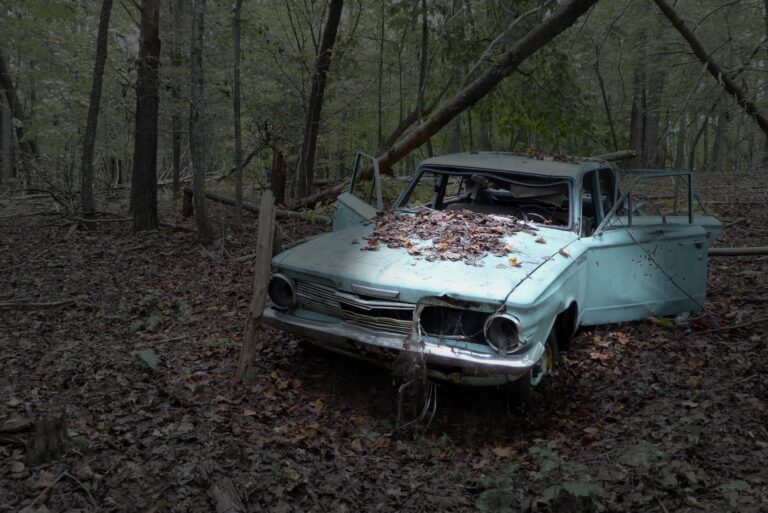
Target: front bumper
{"points": [[444, 359]]}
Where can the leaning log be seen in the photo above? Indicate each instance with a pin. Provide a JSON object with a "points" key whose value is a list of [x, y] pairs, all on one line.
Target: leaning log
{"points": [[253, 207], [617, 156]]}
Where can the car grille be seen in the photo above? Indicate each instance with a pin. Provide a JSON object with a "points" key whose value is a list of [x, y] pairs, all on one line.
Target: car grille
{"points": [[376, 314]]}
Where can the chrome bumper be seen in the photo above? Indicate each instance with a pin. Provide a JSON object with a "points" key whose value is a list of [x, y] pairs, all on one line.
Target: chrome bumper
{"points": [[354, 339]]}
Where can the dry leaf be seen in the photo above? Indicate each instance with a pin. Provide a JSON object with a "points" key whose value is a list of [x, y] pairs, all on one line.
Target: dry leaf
{"points": [[514, 262], [17, 466], [541, 240], [13, 402], [247, 412], [503, 452], [565, 253]]}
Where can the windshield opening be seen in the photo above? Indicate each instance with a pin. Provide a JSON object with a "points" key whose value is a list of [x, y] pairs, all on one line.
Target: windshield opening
{"points": [[537, 199]]}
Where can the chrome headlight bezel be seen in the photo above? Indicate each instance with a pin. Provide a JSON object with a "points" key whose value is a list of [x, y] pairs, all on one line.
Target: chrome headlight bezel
{"points": [[281, 280], [495, 337]]}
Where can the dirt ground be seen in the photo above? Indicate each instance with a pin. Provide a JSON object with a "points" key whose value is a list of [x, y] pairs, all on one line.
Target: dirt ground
{"points": [[645, 416]]}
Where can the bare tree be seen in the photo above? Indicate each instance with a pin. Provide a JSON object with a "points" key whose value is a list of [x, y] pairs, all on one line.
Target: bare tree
{"points": [[315, 104], [197, 139], [27, 146], [714, 69], [238, 134], [6, 142], [144, 178], [508, 62], [86, 189], [176, 7]]}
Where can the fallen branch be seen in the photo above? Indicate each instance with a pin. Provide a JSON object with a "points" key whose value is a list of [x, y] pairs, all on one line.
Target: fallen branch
{"points": [[736, 326], [762, 250], [20, 304], [252, 207]]}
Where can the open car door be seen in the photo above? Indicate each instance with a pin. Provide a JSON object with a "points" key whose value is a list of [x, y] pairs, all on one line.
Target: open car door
{"points": [[363, 200], [649, 254]]}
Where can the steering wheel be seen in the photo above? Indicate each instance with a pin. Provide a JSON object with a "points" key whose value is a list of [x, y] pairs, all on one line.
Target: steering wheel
{"points": [[536, 214]]}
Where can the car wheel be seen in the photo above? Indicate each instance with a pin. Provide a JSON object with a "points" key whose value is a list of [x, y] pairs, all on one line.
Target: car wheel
{"points": [[521, 391]]}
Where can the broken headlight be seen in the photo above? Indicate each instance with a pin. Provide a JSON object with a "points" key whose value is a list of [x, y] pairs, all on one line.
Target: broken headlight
{"points": [[453, 323], [282, 291], [502, 332]]}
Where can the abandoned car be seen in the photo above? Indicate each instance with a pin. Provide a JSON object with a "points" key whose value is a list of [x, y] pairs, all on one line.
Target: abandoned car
{"points": [[487, 263]]}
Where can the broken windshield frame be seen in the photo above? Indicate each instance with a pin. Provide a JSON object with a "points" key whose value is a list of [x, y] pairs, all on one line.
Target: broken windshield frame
{"points": [[506, 177]]}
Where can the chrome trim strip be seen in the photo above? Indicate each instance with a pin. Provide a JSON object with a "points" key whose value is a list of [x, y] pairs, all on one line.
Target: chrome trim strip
{"points": [[374, 292], [350, 337], [328, 301]]}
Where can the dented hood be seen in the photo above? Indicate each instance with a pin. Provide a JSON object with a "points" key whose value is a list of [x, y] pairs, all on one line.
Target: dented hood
{"points": [[336, 259]]}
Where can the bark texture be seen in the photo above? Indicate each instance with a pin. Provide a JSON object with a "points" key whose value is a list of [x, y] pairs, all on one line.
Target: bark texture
{"points": [[315, 104], [86, 183], [144, 178], [197, 140]]}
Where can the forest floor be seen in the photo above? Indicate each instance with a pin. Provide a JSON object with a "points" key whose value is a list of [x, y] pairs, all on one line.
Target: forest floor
{"points": [[645, 416]]}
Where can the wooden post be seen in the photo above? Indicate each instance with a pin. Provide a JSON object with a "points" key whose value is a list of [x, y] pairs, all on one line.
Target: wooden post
{"points": [[261, 273]]}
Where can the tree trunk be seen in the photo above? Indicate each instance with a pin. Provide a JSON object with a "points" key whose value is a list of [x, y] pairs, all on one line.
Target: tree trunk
{"points": [[722, 77], [278, 176], [651, 154], [539, 36], [637, 115], [379, 128], [86, 188], [486, 130], [312, 121], [197, 139], [694, 142], [144, 178], [176, 9], [718, 145], [238, 134], [682, 128], [27, 147], [6, 142]]}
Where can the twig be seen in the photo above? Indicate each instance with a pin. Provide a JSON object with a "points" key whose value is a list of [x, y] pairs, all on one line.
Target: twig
{"points": [[47, 488], [39, 256], [735, 326]]}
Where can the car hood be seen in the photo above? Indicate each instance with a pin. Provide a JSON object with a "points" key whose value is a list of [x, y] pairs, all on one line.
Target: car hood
{"points": [[337, 259]]}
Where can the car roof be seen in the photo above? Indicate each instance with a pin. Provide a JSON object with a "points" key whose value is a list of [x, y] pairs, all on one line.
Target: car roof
{"points": [[537, 164]]}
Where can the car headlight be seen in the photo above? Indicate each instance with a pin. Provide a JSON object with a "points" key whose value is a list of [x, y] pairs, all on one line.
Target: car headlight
{"points": [[282, 291], [502, 332]]}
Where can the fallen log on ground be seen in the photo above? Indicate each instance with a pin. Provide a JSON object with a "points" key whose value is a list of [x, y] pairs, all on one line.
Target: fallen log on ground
{"points": [[760, 250], [252, 207]]}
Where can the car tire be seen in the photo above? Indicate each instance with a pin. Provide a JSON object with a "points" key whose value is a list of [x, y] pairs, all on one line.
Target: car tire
{"points": [[521, 390]]}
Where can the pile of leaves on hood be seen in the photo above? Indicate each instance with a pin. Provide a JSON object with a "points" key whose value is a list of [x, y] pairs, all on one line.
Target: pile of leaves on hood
{"points": [[454, 235]]}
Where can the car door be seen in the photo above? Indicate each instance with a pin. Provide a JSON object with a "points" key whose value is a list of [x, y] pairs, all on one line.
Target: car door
{"points": [[644, 258], [363, 199]]}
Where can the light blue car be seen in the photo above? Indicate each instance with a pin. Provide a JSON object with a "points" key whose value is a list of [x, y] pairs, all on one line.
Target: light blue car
{"points": [[583, 253]]}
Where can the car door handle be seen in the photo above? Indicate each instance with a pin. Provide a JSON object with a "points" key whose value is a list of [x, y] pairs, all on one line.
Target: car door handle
{"points": [[697, 244]]}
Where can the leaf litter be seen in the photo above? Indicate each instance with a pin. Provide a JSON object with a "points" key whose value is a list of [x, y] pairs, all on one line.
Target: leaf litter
{"points": [[312, 432], [446, 234]]}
